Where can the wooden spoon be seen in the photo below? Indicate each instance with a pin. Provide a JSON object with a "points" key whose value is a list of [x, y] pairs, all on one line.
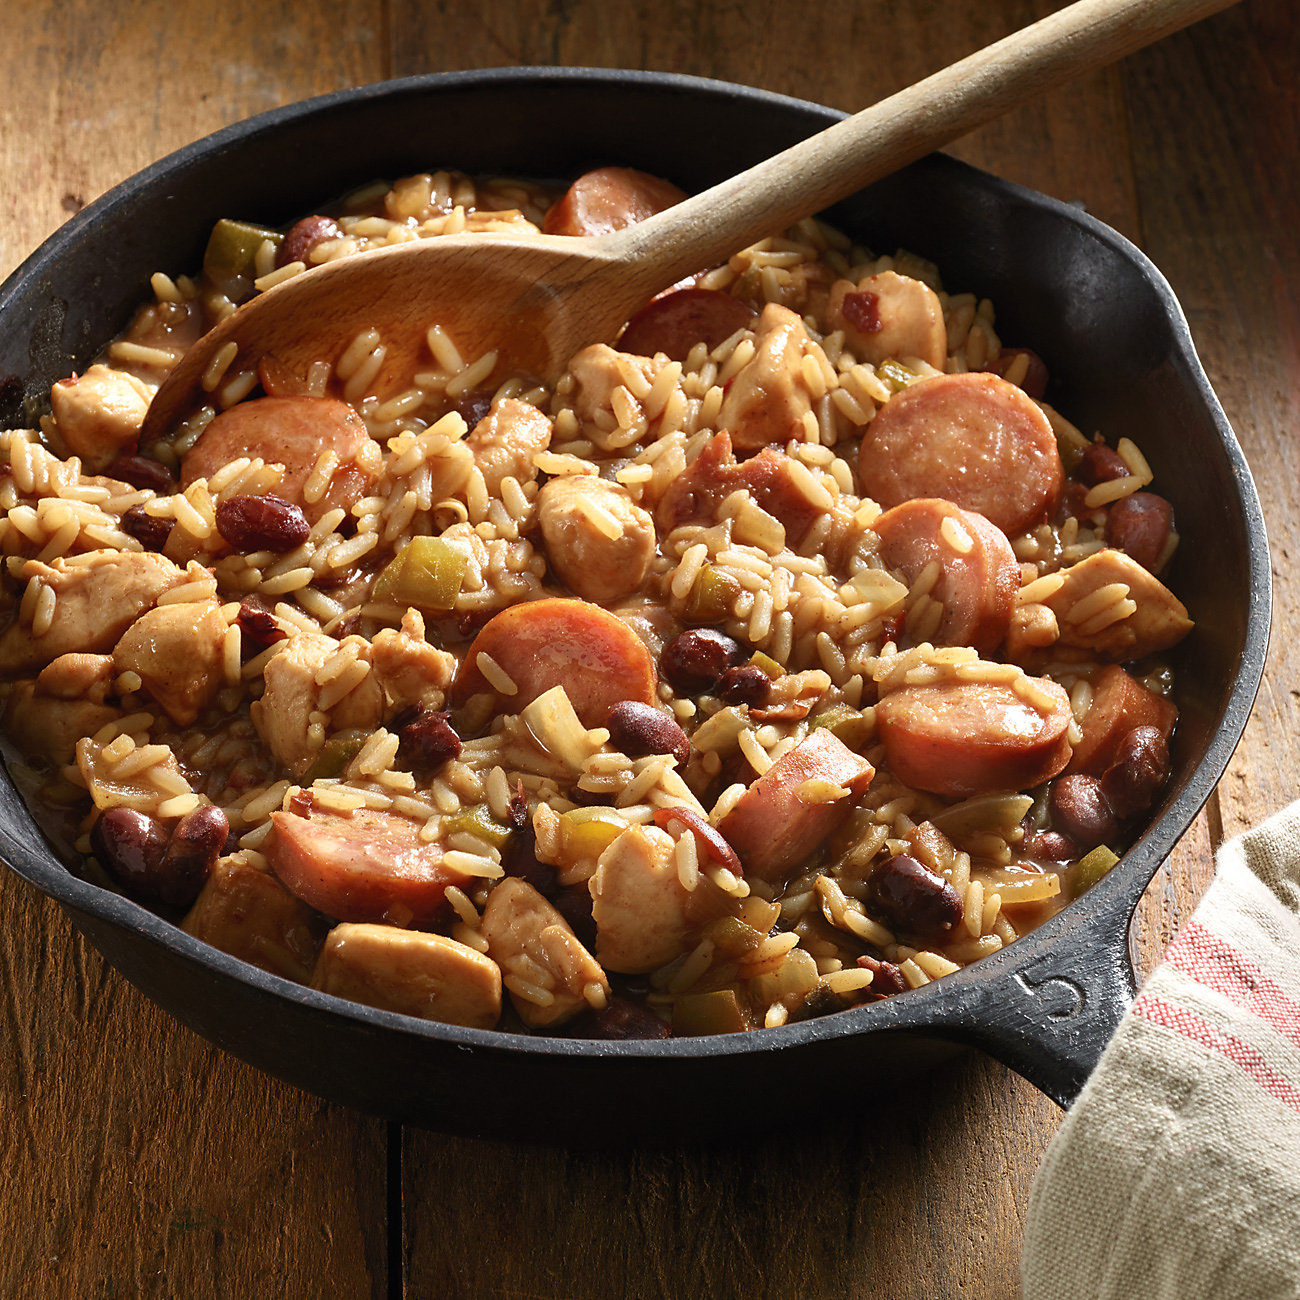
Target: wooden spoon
{"points": [[537, 300]]}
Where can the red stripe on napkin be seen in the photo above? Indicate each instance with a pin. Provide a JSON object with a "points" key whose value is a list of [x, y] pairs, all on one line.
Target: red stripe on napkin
{"points": [[1212, 961], [1192, 1027]]}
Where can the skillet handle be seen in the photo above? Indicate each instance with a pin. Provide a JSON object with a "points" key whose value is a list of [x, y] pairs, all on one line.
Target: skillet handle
{"points": [[1050, 1016]]}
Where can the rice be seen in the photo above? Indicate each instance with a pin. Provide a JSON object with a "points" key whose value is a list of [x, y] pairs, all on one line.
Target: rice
{"points": [[330, 657]]}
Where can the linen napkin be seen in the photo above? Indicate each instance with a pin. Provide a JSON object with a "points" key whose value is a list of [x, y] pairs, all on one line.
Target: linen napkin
{"points": [[1177, 1172]]}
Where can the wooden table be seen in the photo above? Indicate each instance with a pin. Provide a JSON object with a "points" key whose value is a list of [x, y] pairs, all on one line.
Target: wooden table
{"points": [[140, 1161]]}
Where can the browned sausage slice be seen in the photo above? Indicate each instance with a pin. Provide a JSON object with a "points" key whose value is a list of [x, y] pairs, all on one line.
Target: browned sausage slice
{"points": [[675, 322], [371, 866], [593, 654], [978, 572], [609, 198], [1119, 703], [293, 432], [973, 439], [774, 480], [781, 820], [959, 739]]}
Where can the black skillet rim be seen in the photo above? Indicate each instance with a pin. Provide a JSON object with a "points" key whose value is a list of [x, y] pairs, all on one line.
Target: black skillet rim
{"points": [[1119, 891]]}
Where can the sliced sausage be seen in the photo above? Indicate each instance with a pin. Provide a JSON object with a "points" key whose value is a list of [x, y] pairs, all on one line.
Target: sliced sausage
{"points": [[958, 739], [778, 484], [675, 322], [1119, 704], [593, 654], [424, 975], [779, 823], [293, 432], [767, 399], [978, 571], [1110, 605], [598, 539], [608, 199], [973, 439], [371, 866], [890, 315], [1140, 525]]}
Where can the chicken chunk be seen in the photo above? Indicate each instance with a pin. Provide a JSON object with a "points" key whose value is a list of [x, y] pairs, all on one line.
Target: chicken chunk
{"points": [[600, 371], [890, 315], [408, 668], [283, 716], [99, 414], [77, 676], [245, 911], [94, 603], [505, 441], [535, 946], [638, 902], [1109, 604], [49, 725], [598, 539], [177, 650], [768, 399], [414, 974]]}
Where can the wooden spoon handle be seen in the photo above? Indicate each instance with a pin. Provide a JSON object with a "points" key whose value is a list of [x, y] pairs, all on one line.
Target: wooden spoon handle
{"points": [[877, 141]]}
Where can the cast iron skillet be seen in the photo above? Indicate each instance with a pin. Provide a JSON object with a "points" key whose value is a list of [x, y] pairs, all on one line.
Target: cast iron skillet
{"points": [[1121, 359]]}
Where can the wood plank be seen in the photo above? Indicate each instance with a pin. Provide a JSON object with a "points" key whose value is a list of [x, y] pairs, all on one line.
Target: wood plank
{"points": [[139, 1160], [1216, 131]]}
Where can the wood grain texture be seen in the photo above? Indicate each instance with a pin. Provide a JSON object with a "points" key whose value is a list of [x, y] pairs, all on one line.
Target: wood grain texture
{"points": [[139, 1160]]}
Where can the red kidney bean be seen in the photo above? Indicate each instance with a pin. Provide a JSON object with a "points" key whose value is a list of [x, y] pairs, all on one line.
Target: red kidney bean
{"points": [[519, 857], [130, 846], [1034, 384], [638, 729], [473, 406], [262, 523], [574, 904], [429, 741], [1140, 524], [303, 236], [197, 842], [1140, 768], [257, 630], [887, 979], [1051, 846], [709, 838], [744, 684], [150, 532], [142, 472], [1081, 810], [1100, 464], [913, 898], [620, 1020], [692, 661]]}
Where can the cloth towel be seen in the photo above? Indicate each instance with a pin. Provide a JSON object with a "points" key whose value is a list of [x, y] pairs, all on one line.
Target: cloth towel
{"points": [[1176, 1173]]}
